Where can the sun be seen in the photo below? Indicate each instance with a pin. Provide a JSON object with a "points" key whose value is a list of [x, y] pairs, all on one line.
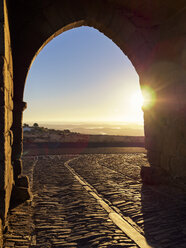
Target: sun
{"points": [[143, 99], [137, 100]]}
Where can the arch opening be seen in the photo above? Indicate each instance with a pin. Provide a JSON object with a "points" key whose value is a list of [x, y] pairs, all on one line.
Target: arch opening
{"points": [[93, 82]]}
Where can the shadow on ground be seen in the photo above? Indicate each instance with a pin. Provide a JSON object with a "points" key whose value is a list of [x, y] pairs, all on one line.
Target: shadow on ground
{"points": [[164, 216]]}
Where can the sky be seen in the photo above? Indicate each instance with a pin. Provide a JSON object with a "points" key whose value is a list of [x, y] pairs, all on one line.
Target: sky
{"points": [[82, 76]]}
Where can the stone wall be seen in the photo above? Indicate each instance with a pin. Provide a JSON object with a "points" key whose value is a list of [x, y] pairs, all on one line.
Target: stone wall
{"points": [[165, 122], [6, 107], [152, 36]]}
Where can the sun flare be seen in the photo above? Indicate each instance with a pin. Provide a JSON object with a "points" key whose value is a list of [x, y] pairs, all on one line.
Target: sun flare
{"points": [[144, 99], [149, 97], [140, 101], [137, 100]]}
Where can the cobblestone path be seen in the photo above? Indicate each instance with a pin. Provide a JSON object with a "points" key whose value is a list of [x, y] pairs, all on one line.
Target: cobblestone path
{"points": [[63, 214], [158, 210]]}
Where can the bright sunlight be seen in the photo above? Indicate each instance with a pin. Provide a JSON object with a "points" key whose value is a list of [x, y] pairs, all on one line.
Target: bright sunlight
{"points": [[139, 100], [149, 97], [145, 99]]}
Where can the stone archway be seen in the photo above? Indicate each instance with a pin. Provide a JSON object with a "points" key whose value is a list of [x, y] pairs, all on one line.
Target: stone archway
{"points": [[153, 38]]}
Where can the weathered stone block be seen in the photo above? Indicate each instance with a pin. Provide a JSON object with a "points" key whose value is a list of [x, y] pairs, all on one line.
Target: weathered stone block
{"points": [[6, 183], [7, 142], [7, 49], [10, 79], [7, 81]]}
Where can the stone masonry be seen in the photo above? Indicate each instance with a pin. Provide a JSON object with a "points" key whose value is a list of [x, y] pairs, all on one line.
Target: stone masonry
{"points": [[6, 107]]}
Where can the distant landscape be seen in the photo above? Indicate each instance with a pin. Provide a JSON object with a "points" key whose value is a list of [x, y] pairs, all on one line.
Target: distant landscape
{"points": [[38, 139], [103, 128]]}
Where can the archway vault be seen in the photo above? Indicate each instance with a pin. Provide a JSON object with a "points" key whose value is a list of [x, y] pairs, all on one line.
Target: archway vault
{"points": [[152, 35]]}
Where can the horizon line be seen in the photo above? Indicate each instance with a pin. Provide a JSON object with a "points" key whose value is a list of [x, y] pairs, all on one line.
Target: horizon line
{"points": [[81, 121]]}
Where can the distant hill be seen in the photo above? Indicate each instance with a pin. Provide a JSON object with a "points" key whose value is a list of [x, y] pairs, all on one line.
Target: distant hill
{"points": [[42, 135], [103, 128]]}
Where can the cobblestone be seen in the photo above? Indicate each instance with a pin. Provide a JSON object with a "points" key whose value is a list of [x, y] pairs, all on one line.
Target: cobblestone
{"points": [[158, 210], [61, 213]]}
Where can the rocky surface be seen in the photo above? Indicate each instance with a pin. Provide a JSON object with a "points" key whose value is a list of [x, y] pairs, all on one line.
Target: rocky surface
{"points": [[63, 214], [158, 210]]}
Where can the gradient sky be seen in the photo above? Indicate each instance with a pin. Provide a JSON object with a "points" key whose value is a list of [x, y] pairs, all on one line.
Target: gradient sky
{"points": [[81, 75]]}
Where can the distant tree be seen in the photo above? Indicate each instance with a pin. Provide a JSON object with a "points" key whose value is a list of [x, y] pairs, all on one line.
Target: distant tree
{"points": [[66, 131], [35, 125], [25, 125]]}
